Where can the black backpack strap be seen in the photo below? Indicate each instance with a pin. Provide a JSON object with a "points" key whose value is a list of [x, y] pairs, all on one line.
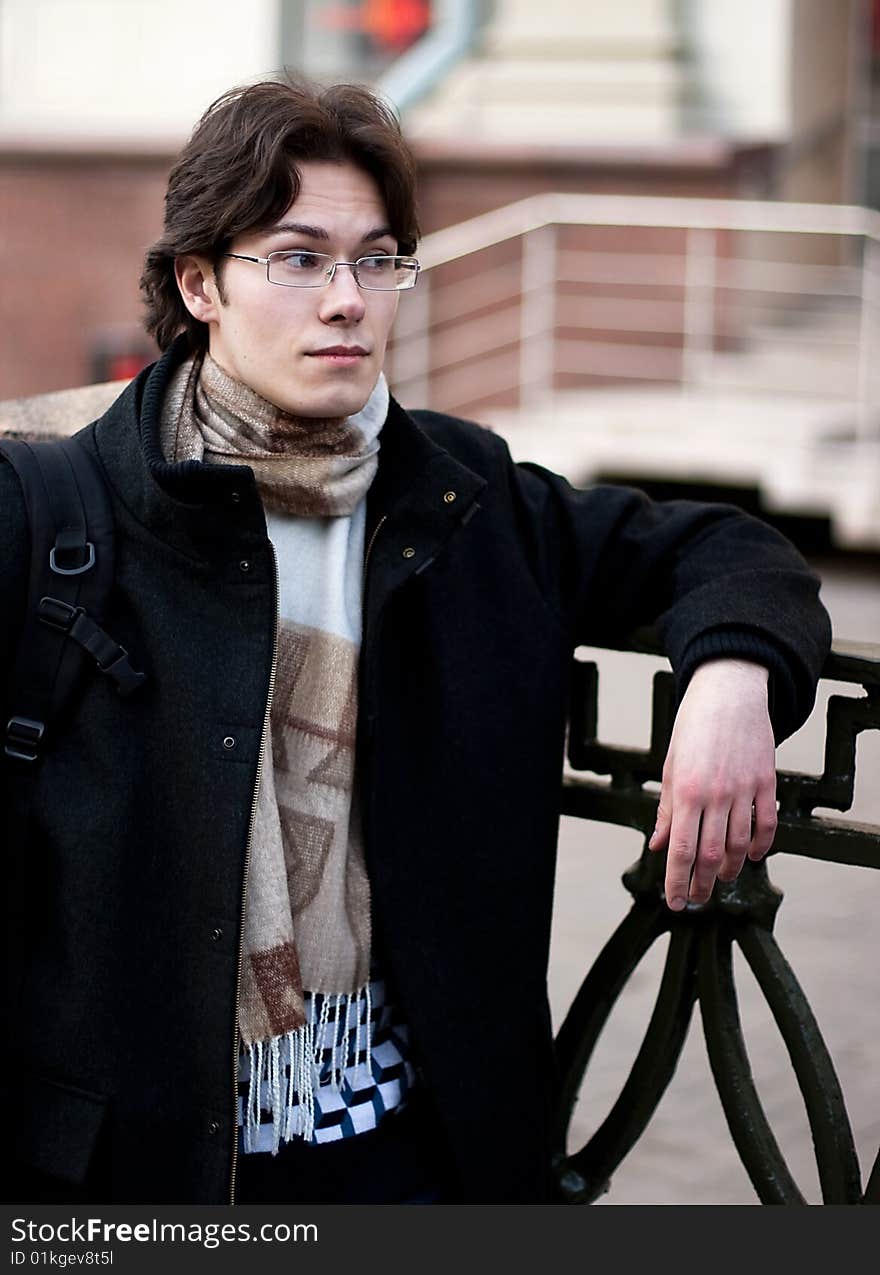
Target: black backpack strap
{"points": [[71, 575]]}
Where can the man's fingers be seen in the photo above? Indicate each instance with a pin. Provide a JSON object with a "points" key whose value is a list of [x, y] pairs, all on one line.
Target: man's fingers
{"points": [[710, 844], [706, 844], [710, 853], [764, 829], [739, 840], [660, 835], [680, 859]]}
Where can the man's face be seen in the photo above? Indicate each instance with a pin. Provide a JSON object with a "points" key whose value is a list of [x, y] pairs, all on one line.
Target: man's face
{"points": [[273, 338]]}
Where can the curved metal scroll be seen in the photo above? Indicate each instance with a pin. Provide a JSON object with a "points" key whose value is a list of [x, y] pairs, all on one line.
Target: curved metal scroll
{"points": [[584, 1176], [699, 961], [699, 967], [832, 1136]]}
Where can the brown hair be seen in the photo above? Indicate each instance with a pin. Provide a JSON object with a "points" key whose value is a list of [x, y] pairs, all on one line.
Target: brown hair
{"points": [[238, 174]]}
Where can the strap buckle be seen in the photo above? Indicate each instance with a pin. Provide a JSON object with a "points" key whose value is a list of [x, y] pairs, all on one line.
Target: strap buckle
{"points": [[126, 678], [57, 614], [110, 657], [72, 571], [23, 738]]}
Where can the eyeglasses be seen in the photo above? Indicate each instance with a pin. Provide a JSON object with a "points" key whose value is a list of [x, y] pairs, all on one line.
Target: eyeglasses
{"points": [[315, 270]]}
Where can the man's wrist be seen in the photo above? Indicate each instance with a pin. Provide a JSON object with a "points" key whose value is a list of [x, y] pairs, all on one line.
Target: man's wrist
{"points": [[744, 670], [740, 644]]}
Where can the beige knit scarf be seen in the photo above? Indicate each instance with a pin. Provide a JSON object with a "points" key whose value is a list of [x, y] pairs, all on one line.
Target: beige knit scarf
{"points": [[307, 913]]}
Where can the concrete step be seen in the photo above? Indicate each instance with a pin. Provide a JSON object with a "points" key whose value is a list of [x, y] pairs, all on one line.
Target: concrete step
{"points": [[562, 99], [568, 72], [590, 28], [801, 454], [59, 412], [828, 370], [577, 78]]}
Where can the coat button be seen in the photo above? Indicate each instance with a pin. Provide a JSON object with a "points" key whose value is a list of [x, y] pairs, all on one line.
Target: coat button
{"points": [[409, 552], [229, 741], [235, 497], [449, 497], [216, 935], [244, 565], [214, 1127]]}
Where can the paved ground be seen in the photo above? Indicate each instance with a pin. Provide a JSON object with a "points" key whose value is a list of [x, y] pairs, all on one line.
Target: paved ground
{"points": [[826, 927]]}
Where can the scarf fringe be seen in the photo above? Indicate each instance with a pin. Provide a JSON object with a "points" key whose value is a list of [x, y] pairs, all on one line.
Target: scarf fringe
{"points": [[292, 1104]]}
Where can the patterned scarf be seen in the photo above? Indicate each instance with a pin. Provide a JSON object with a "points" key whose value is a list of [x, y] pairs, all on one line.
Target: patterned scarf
{"points": [[307, 912]]}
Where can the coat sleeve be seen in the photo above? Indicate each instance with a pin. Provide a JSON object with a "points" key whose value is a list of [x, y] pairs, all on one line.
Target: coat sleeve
{"points": [[714, 580]]}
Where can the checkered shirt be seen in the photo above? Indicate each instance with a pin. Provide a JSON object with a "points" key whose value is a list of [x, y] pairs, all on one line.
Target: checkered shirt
{"points": [[363, 1099]]}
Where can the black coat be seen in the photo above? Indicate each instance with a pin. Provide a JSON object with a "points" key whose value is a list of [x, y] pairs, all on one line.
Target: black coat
{"points": [[122, 1033]]}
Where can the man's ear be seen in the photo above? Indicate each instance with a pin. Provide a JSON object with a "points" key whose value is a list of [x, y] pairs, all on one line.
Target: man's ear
{"points": [[198, 287]]}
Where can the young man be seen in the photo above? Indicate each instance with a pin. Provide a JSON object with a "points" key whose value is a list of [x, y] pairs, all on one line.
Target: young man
{"points": [[287, 908]]}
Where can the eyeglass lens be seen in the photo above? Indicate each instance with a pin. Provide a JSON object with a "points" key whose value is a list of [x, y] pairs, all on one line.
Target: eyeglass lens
{"points": [[311, 270]]}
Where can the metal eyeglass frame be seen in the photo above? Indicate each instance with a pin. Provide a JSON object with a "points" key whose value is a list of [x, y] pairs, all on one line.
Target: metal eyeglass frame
{"points": [[331, 270]]}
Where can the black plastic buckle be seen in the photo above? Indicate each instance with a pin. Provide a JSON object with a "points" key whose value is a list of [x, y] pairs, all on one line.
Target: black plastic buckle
{"points": [[23, 738], [110, 657], [119, 669], [57, 614]]}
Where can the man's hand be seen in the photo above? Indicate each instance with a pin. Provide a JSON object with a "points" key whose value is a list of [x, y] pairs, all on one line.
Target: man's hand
{"points": [[720, 764]]}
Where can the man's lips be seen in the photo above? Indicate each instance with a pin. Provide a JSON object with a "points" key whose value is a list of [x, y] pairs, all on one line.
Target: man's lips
{"points": [[339, 352]]}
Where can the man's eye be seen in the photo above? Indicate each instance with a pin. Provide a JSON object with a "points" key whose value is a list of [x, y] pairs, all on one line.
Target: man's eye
{"points": [[301, 261], [377, 265]]}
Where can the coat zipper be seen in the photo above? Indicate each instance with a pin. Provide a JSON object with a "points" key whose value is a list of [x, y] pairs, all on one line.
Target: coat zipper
{"points": [[247, 860], [376, 531], [364, 582]]}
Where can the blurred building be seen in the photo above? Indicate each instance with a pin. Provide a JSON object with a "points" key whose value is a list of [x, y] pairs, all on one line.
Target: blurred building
{"points": [[767, 100], [96, 97]]}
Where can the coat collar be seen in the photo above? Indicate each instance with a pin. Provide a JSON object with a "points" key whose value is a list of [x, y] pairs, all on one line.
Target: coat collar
{"points": [[420, 493], [194, 508]]}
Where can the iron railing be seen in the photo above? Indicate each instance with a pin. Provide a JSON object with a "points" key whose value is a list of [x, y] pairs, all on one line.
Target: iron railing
{"points": [[699, 967]]}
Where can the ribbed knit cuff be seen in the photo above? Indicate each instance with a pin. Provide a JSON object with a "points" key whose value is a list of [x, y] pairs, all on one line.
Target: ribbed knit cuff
{"points": [[742, 644]]}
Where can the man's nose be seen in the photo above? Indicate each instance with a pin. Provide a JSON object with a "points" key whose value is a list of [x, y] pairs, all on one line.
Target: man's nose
{"points": [[341, 297]]}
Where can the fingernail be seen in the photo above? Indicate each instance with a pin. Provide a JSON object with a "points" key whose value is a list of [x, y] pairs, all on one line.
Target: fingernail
{"points": [[676, 904]]}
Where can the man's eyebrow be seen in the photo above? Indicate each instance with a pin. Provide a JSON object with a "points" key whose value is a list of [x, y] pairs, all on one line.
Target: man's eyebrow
{"points": [[318, 232], [378, 232]]}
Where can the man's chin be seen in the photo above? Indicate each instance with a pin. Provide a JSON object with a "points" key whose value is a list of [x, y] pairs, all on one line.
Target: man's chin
{"points": [[322, 401], [335, 403], [319, 407], [331, 409]]}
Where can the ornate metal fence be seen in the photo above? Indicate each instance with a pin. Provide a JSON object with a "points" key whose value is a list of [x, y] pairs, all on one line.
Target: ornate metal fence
{"points": [[699, 964]]}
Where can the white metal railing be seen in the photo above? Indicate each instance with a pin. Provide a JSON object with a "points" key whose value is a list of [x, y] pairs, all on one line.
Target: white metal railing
{"points": [[536, 304]]}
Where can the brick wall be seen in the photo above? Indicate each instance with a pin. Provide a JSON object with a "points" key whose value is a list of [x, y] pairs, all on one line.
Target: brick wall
{"points": [[74, 227], [73, 230]]}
